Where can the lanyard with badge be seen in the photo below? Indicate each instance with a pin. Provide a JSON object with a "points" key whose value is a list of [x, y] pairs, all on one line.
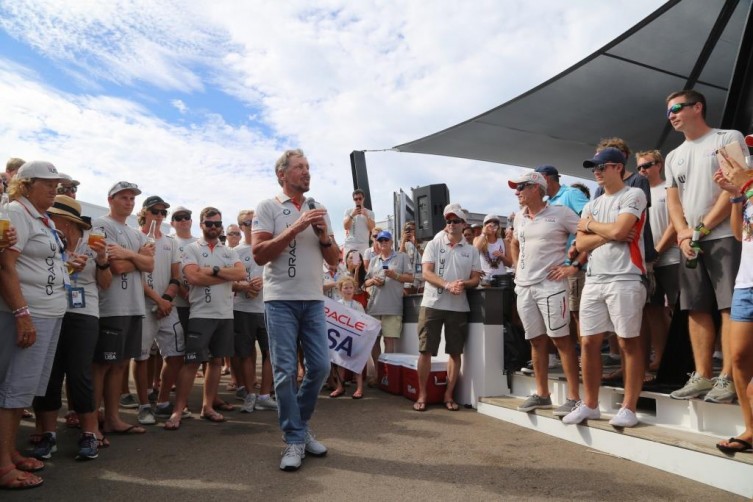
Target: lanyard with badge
{"points": [[76, 295]]}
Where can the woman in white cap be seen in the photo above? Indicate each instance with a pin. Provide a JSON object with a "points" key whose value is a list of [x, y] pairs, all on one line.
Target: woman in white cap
{"points": [[491, 247], [33, 302], [78, 334]]}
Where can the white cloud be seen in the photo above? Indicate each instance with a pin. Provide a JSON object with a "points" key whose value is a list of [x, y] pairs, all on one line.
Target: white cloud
{"points": [[179, 105]]}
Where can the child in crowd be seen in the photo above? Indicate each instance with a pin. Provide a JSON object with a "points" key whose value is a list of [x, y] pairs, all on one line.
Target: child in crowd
{"points": [[347, 287]]}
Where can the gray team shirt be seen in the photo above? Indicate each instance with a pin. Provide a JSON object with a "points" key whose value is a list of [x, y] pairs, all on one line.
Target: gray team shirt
{"points": [[296, 273], [165, 254], [450, 263], [658, 217], [125, 296], [690, 168], [388, 299], [181, 244], [210, 302], [87, 279], [241, 302]]}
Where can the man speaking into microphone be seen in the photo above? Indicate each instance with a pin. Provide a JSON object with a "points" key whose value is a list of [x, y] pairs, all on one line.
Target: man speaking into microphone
{"points": [[291, 238]]}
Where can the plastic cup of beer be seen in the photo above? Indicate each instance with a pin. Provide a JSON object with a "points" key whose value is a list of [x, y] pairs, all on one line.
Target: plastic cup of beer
{"points": [[96, 235], [4, 227]]}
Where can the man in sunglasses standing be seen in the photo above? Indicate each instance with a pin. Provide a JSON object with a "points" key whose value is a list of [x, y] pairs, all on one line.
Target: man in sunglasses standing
{"points": [[611, 229], [292, 237], [68, 186], [181, 223], [449, 267], [358, 222], [695, 202]]}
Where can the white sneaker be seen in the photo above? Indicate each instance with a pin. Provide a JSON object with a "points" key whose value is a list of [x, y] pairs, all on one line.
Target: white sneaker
{"points": [[266, 404], [146, 416], [313, 446], [581, 413], [624, 418], [248, 403], [292, 456]]}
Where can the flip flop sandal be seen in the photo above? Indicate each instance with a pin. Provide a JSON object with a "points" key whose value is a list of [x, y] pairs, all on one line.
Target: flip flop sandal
{"points": [[224, 406], [357, 395], [172, 425], [103, 442], [731, 450], [21, 481], [134, 429], [213, 417], [451, 406], [26, 464], [419, 406], [335, 394]]}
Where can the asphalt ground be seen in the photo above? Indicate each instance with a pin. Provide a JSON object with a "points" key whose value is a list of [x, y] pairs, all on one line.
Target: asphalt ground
{"points": [[380, 449]]}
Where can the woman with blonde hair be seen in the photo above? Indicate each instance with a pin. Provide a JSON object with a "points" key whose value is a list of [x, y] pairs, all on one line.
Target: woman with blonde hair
{"points": [[491, 247]]}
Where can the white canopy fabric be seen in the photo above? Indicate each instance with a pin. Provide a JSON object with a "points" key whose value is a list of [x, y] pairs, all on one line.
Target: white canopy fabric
{"points": [[618, 91]]}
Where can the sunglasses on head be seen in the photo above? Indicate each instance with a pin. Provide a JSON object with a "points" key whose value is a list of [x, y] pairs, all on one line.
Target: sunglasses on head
{"points": [[181, 217], [679, 106], [210, 224], [647, 165], [246, 223], [456, 221], [157, 212]]}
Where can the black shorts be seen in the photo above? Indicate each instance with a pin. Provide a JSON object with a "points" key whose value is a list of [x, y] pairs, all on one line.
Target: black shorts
{"points": [[119, 339], [209, 338], [249, 328]]}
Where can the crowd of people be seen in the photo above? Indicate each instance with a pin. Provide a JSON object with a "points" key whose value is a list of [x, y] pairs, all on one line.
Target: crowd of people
{"points": [[82, 299]]}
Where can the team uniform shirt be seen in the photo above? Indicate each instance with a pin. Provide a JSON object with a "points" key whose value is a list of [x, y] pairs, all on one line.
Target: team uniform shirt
{"points": [[40, 267], [744, 277], [296, 273], [181, 245], [216, 301], [450, 263], [388, 299], [658, 218], [369, 254], [486, 259], [542, 241], [697, 190], [617, 261], [87, 279], [358, 233], [243, 302], [328, 277], [165, 254], [125, 296]]}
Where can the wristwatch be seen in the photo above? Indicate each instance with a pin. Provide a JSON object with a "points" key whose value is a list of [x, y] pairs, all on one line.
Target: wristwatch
{"points": [[215, 271]]}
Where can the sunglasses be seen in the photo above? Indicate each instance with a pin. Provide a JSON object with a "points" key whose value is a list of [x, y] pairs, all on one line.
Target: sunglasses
{"points": [[523, 186], [246, 223], [679, 106], [647, 165], [455, 221], [600, 167], [157, 212], [70, 189], [234, 234], [182, 218], [210, 224], [383, 239]]}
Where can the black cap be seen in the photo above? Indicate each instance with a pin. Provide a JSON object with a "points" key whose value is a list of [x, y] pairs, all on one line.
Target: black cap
{"points": [[154, 200], [547, 170]]}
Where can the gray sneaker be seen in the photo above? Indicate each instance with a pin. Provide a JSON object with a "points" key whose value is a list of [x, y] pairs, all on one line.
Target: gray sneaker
{"points": [[146, 416], [128, 401], [241, 394], [268, 404], [696, 386], [46, 447], [167, 412], [566, 408], [535, 401], [248, 403], [722, 392], [313, 446], [292, 456]]}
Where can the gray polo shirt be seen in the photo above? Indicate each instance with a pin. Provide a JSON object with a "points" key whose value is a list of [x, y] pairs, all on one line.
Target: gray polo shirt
{"points": [[450, 263], [296, 273], [388, 299], [210, 302], [241, 302], [182, 243], [165, 254]]}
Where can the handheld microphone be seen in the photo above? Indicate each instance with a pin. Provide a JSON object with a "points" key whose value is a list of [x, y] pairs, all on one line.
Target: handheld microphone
{"points": [[312, 205]]}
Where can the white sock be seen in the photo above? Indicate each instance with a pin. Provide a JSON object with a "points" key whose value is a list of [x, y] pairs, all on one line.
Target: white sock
{"points": [[263, 397]]}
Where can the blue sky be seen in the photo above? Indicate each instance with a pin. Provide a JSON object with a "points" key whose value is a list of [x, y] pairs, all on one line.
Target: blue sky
{"points": [[195, 100]]}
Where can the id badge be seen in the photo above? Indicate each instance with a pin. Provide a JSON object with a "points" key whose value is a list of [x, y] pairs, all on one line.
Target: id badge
{"points": [[76, 298]]}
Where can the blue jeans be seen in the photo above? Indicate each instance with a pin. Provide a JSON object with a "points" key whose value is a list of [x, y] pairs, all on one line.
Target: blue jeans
{"points": [[288, 323]]}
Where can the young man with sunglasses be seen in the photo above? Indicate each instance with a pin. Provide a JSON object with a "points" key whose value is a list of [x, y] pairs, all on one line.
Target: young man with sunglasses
{"points": [[695, 202], [210, 268], [358, 222], [611, 230], [68, 186], [181, 223], [292, 238], [121, 306], [449, 267], [161, 322]]}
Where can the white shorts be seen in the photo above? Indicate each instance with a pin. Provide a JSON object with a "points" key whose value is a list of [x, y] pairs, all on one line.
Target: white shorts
{"points": [[168, 333], [616, 307], [543, 309]]}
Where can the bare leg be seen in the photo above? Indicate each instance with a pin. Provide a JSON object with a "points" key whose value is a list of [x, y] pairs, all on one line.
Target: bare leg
{"points": [[247, 373], [569, 359], [141, 378], [423, 369], [633, 363], [236, 372], [10, 419], [591, 362], [741, 334], [658, 331], [726, 343], [540, 358], [211, 383], [113, 385], [453, 371], [266, 374], [702, 336], [170, 371]]}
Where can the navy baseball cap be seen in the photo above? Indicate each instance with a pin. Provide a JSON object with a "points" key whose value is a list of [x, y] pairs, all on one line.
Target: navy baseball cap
{"points": [[606, 155], [547, 170]]}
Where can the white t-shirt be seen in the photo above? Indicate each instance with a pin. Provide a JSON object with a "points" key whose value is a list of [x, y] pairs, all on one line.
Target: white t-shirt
{"points": [[354, 304], [165, 254], [487, 257], [39, 265], [328, 277], [744, 277], [388, 299], [87, 279], [617, 261], [182, 243], [358, 233], [542, 240], [658, 217], [296, 273], [690, 168], [125, 296], [450, 263], [216, 301], [242, 302]]}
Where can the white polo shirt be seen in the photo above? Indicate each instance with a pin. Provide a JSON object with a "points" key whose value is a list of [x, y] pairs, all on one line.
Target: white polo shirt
{"points": [[296, 273], [450, 263], [182, 243], [125, 296], [658, 217], [165, 254], [39, 265], [210, 302], [241, 302], [358, 233], [542, 241]]}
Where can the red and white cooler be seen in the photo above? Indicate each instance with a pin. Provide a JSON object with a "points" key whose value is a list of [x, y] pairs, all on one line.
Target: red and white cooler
{"points": [[437, 383], [390, 372]]}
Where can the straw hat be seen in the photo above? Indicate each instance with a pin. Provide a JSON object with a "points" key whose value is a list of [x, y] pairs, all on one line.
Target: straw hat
{"points": [[70, 209]]}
